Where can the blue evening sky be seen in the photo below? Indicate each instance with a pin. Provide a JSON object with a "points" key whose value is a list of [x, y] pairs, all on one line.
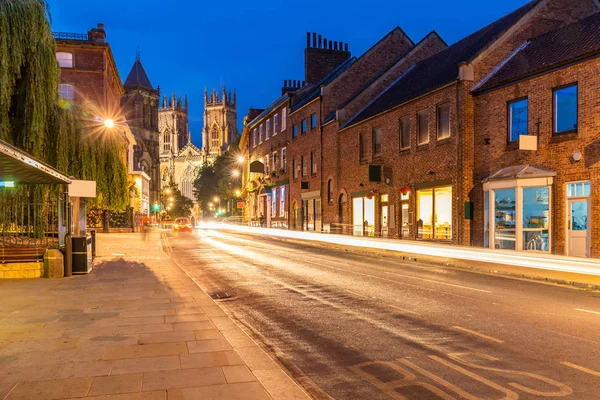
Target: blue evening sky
{"points": [[253, 46]]}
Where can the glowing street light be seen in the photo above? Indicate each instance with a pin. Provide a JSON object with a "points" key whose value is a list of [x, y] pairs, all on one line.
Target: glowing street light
{"points": [[171, 199], [241, 159], [210, 204], [168, 191], [216, 199], [109, 123], [236, 173], [237, 192]]}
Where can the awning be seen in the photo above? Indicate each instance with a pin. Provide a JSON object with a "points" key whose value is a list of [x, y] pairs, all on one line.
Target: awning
{"points": [[19, 167], [524, 171]]}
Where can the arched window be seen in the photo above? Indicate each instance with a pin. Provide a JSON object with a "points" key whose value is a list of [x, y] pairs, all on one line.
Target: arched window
{"points": [[66, 91], [187, 182], [214, 138], [65, 60], [167, 141], [330, 191]]}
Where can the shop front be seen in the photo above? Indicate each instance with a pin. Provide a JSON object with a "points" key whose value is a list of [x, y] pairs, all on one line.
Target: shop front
{"points": [[434, 211], [518, 209], [363, 214], [311, 211]]}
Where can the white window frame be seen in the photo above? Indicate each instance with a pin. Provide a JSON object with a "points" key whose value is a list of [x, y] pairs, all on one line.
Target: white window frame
{"points": [[254, 144], [283, 119], [268, 130], [275, 124], [70, 95], [282, 201], [260, 134], [66, 62], [283, 158]]}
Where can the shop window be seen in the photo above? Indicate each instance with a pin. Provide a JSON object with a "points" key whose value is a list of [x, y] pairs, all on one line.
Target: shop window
{"points": [[404, 133], [422, 128], [282, 201], [434, 213], [565, 109], [363, 216], [505, 214], [376, 142], [536, 213], [274, 202], [517, 119], [443, 121]]}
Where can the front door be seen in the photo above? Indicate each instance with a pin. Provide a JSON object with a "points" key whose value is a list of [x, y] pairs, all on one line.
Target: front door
{"points": [[578, 228]]}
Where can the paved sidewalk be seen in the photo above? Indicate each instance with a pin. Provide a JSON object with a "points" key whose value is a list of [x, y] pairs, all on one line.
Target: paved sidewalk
{"points": [[136, 328]]}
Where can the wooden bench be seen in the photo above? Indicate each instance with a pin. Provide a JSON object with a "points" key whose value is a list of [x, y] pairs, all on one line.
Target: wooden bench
{"points": [[15, 254]]}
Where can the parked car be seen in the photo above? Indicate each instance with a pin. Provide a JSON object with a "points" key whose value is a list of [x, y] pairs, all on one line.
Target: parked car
{"points": [[182, 224]]}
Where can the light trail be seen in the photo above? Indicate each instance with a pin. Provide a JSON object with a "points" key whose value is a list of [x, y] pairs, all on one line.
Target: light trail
{"points": [[518, 259]]}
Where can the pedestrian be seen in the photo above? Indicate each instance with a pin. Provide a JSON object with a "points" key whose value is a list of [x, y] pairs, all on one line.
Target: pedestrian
{"points": [[262, 220]]}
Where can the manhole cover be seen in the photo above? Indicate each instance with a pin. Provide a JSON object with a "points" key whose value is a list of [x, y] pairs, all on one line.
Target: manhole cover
{"points": [[221, 295]]}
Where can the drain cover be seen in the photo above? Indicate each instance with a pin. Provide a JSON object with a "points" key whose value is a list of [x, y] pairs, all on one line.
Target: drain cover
{"points": [[221, 295]]}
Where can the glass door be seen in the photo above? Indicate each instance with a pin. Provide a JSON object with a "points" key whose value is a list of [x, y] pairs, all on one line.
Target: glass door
{"points": [[357, 216], [577, 228]]}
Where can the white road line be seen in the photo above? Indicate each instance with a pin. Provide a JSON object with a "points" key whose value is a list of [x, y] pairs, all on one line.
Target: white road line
{"points": [[357, 294], [481, 335], [588, 311], [580, 368], [441, 283]]}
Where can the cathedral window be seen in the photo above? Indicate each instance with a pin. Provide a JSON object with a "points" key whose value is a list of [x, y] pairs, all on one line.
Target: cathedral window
{"points": [[167, 142], [275, 124], [214, 138], [187, 183]]}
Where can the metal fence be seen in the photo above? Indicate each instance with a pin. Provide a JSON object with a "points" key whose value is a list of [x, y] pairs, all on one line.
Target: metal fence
{"points": [[25, 223], [70, 35]]}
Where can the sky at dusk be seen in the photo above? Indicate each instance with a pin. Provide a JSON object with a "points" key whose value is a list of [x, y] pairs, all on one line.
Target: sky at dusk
{"points": [[253, 46]]}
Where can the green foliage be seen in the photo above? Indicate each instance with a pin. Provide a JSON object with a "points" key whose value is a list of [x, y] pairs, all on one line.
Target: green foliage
{"points": [[217, 180], [33, 119], [182, 206]]}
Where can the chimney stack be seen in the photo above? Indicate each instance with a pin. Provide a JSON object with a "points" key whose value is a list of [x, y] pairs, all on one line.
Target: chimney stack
{"points": [[321, 56], [97, 34]]}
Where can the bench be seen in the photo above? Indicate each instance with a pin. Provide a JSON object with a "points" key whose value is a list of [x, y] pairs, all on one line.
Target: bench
{"points": [[16, 254]]}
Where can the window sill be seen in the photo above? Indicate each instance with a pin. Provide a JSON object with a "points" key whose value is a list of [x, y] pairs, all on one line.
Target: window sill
{"points": [[405, 150], [444, 140], [377, 158], [563, 136], [363, 162], [422, 147]]}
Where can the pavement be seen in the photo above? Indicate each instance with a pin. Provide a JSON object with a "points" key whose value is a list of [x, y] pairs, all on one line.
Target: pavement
{"points": [[579, 272], [137, 327], [371, 325]]}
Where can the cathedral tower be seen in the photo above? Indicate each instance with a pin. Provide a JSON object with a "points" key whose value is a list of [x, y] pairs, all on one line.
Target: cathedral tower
{"points": [[220, 122], [173, 125], [140, 103]]}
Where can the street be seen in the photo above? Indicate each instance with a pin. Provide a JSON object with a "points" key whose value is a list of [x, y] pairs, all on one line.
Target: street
{"points": [[351, 325]]}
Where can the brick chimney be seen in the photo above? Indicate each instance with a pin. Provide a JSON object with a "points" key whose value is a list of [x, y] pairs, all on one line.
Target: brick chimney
{"points": [[322, 56], [97, 34], [291, 86]]}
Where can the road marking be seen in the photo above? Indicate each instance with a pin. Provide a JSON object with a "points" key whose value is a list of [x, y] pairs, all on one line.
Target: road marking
{"points": [[441, 283], [493, 339], [587, 311], [582, 369], [402, 309]]}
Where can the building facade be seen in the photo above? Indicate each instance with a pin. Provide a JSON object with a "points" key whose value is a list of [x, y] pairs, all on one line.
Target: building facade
{"points": [[410, 140], [220, 122], [140, 105]]}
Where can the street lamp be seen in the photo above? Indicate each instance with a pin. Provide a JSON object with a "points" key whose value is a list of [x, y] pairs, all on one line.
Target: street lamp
{"points": [[237, 193], [241, 159], [109, 123], [236, 173], [168, 191]]}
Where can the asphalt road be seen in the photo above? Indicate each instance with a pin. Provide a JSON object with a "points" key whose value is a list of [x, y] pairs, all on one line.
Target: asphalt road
{"points": [[351, 325]]}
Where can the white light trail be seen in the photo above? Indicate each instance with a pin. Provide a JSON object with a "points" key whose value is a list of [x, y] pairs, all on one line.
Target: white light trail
{"points": [[519, 259]]}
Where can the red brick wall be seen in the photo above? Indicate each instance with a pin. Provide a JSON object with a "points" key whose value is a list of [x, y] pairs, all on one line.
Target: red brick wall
{"points": [[318, 62], [365, 68], [436, 161], [553, 152]]}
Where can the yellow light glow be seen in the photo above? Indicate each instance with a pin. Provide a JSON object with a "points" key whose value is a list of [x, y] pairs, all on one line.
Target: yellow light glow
{"points": [[216, 199], [109, 123], [210, 204], [241, 159], [168, 191], [236, 173], [171, 199], [237, 192]]}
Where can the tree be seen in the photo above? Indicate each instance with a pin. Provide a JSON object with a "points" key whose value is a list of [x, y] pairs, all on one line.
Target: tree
{"points": [[33, 118], [182, 206]]}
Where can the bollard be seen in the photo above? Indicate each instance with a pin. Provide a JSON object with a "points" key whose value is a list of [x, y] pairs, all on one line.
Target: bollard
{"points": [[93, 233], [68, 256]]}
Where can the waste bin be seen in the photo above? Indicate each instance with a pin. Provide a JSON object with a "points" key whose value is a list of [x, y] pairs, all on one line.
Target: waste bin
{"points": [[82, 254]]}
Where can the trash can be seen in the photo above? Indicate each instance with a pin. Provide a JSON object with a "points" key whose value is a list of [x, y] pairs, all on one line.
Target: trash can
{"points": [[82, 254]]}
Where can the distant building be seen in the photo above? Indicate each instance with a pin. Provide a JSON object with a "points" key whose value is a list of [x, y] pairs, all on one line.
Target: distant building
{"points": [[140, 105], [180, 159]]}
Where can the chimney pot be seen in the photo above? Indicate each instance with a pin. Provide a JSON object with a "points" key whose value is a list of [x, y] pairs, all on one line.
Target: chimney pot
{"points": [[330, 45], [314, 35], [285, 83], [320, 41], [308, 39], [346, 46], [100, 26], [335, 45]]}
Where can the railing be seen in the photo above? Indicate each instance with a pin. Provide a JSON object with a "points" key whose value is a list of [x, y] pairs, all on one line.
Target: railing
{"points": [[27, 224], [70, 35]]}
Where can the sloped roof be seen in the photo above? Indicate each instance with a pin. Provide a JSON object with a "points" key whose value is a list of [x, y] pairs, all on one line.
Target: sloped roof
{"points": [[137, 76], [441, 68], [267, 110], [523, 171], [568, 43], [302, 99]]}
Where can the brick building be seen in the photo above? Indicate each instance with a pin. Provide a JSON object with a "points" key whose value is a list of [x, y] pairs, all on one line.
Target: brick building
{"points": [[537, 146], [409, 140]]}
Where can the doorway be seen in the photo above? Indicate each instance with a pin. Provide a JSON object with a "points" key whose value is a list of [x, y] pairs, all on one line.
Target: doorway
{"points": [[578, 219]]}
